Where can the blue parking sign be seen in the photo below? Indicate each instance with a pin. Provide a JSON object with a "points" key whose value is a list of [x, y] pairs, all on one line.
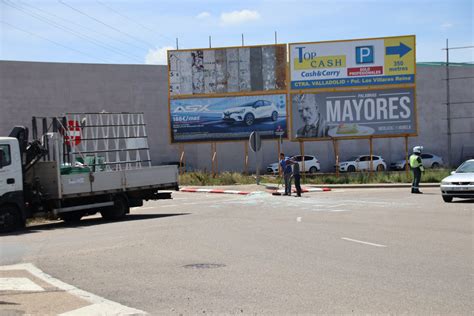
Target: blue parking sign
{"points": [[364, 54]]}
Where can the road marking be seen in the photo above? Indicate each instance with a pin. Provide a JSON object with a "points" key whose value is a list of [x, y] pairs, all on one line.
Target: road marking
{"points": [[298, 219], [339, 211], [100, 305], [363, 242], [19, 284]]}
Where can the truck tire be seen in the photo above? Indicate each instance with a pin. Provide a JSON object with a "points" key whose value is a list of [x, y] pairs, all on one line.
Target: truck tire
{"points": [[117, 211], [10, 219], [71, 217]]}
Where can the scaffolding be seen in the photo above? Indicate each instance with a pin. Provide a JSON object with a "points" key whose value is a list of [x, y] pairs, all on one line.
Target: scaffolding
{"points": [[100, 141]]}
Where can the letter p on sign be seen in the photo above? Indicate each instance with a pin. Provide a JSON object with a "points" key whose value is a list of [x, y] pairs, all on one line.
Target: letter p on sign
{"points": [[364, 55]]}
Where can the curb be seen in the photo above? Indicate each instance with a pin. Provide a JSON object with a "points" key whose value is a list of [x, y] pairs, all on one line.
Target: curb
{"points": [[216, 191], [377, 185], [274, 190]]}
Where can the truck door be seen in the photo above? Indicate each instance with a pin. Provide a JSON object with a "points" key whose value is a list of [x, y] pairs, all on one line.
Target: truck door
{"points": [[11, 179]]}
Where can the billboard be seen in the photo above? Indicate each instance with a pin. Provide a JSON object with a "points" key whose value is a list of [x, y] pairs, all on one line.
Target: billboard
{"points": [[362, 114], [352, 63], [227, 70], [227, 118]]}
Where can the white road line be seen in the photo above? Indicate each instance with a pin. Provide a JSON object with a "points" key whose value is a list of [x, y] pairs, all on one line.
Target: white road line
{"points": [[363, 242], [101, 306], [19, 284], [339, 211], [298, 219]]}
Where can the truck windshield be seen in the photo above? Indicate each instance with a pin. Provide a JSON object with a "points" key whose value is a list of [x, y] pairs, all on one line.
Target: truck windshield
{"points": [[5, 152]]}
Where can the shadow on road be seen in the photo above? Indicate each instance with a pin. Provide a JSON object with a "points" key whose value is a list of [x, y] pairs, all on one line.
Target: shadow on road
{"points": [[85, 222]]}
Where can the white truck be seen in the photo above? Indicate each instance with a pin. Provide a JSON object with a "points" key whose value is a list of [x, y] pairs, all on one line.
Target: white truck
{"points": [[83, 163]]}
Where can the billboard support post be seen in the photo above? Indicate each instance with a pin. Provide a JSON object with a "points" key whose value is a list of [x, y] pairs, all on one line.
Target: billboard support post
{"points": [[214, 159], [182, 168], [336, 154], [407, 167], [371, 169], [303, 160], [246, 161]]}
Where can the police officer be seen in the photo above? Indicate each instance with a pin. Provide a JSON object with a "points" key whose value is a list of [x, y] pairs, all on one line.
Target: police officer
{"points": [[416, 165]]}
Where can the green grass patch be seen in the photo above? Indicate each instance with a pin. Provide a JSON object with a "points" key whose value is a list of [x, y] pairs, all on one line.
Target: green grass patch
{"points": [[201, 178]]}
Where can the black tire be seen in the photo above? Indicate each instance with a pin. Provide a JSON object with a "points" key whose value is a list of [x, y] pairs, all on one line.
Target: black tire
{"points": [[435, 165], [249, 119], [71, 217], [117, 211], [313, 169], [447, 198], [380, 168], [10, 219], [274, 116], [351, 169]]}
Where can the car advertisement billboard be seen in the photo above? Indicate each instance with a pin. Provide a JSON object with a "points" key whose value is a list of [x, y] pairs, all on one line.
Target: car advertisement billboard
{"points": [[227, 118], [227, 70], [362, 114], [352, 63]]}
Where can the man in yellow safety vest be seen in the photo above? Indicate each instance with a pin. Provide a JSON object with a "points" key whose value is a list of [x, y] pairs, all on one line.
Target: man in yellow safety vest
{"points": [[416, 165]]}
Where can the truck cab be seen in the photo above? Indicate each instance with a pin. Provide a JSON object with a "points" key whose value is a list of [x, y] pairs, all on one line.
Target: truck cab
{"points": [[11, 183]]}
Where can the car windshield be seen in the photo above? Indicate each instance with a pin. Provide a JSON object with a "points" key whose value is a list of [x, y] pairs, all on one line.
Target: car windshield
{"points": [[466, 167]]}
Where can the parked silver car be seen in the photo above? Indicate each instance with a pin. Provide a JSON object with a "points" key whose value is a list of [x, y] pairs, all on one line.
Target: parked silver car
{"points": [[429, 161], [460, 183]]}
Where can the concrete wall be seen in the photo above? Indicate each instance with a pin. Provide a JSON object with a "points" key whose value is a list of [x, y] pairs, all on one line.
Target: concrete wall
{"points": [[47, 89]]}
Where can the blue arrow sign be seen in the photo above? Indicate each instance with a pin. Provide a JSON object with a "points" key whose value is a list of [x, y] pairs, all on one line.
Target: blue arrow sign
{"points": [[400, 50]]}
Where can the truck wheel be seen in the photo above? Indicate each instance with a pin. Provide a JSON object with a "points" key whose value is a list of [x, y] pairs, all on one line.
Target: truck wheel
{"points": [[248, 119], [447, 198], [71, 217], [351, 169], [9, 219], [117, 211]]}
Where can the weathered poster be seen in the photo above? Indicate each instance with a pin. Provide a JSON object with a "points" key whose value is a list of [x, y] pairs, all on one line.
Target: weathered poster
{"points": [[227, 70], [353, 114], [352, 63], [227, 118]]}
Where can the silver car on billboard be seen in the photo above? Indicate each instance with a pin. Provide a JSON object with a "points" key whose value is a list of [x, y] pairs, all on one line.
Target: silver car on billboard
{"points": [[249, 112]]}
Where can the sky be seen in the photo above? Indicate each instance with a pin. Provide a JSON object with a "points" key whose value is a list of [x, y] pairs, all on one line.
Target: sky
{"points": [[141, 31]]}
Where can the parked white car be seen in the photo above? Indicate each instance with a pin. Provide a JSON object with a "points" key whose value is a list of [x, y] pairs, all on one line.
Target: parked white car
{"points": [[311, 164], [429, 161], [362, 163], [460, 183], [250, 112]]}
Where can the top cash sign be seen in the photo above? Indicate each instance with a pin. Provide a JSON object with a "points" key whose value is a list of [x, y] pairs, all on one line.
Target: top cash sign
{"points": [[352, 63]]}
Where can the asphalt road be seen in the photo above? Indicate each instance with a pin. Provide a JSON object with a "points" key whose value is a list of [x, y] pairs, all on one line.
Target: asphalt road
{"points": [[344, 251]]}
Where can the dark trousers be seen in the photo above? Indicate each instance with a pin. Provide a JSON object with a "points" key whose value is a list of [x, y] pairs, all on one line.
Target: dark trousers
{"points": [[287, 177], [298, 184], [415, 186]]}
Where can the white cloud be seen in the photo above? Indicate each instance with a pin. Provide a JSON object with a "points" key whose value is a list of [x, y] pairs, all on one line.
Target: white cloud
{"points": [[203, 15], [446, 25], [238, 17], [158, 56]]}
